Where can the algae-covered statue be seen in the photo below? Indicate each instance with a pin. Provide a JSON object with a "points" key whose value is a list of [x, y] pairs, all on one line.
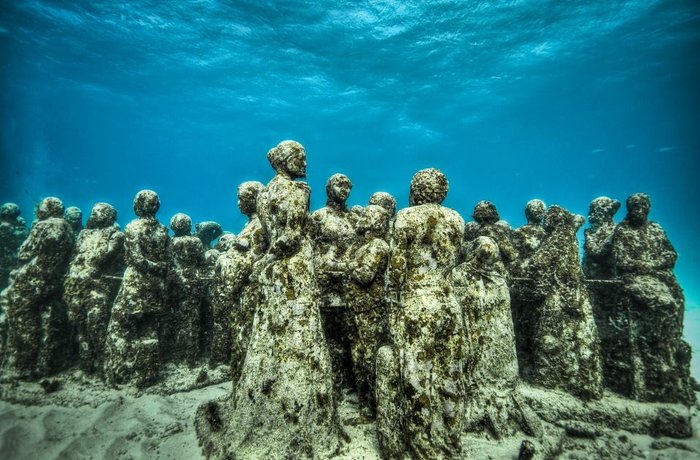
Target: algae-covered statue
{"points": [[207, 232], [604, 291], [13, 232], [233, 299], [181, 328], [643, 259], [92, 283], [386, 201], [424, 415], [133, 346], [529, 237], [283, 403], [74, 217], [366, 300], [491, 373], [38, 332], [565, 346], [487, 222], [332, 233]]}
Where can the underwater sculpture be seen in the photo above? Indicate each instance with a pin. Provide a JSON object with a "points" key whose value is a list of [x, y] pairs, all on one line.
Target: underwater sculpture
{"points": [[233, 297], [74, 217], [386, 201], [565, 346], [283, 404], [427, 329], [487, 223], [367, 300], [207, 232], [181, 327], [13, 231], [93, 282], [38, 332], [332, 233], [529, 237], [658, 362], [604, 293], [132, 351]]}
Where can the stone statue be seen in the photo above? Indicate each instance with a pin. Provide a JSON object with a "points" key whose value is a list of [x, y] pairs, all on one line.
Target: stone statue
{"points": [[207, 232], [487, 223], [233, 312], [332, 233], [38, 332], [132, 347], [528, 238], [74, 217], [283, 403], [658, 358], [366, 300], [92, 284], [426, 326], [186, 289], [13, 232], [386, 201], [565, 346]]}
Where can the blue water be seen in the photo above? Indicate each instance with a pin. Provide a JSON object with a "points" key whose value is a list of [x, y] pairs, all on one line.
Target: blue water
{"points": [[563, 101]]}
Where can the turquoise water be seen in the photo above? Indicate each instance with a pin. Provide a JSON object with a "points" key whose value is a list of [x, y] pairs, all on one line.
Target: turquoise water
{"points": [[563, 101]]}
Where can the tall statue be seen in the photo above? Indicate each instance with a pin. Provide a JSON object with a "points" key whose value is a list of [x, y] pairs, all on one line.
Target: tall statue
{"points": [[487, 222], [426, 326], [282, 406], [38, 331], [133, 345], [92, 283], [332, 232], [13, 232], [658, 363], [74, 217]]}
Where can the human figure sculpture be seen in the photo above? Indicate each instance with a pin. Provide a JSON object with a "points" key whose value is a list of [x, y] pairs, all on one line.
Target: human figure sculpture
{"points": [[565, 349], [386, 201], [38, 331], [603, 292], [207, 232], [427, 329], [283, 403], [367, 300], [333, 231], [92, 284], [74, 217], [13, 232], [658, 363], [487, 223], [132, 351], [234, 310], [491, 374], [526, 240], [186, 290]]}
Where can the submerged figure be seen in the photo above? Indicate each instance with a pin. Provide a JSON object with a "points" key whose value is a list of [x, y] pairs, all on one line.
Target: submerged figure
{"points": [[38, 332], [233, 311], [207, 232], [487, 223], [366, 300], [604, 293], [565, 346], [332, 232], [13, 232], [491, 373], [74, 217], [186, 290], [426, 326], [386, 201], [283, 403], [528, 238], [133, 347], [643, 258], [92, 284]]}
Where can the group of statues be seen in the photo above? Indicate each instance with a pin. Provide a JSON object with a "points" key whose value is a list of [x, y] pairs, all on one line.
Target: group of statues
{"points": [[431, 320]]}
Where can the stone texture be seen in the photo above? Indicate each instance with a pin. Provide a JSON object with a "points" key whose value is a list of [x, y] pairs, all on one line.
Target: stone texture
{"points": [[92, 284], [487, 223], [74, 217], [13, 232]]}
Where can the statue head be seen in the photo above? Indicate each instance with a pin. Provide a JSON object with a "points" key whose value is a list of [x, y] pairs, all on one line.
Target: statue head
{"points": [[146, 204], [428, 186], [248, 195], [385, 200], [485, 212], [557, 217], [181, 224], [103, 215], [226, 242], [534, 212], [373, 220], [74, 216], [9, 211], [49, 207], [208, 231], [338, 188], [602, 210], [638, 207], [288, 158]]}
